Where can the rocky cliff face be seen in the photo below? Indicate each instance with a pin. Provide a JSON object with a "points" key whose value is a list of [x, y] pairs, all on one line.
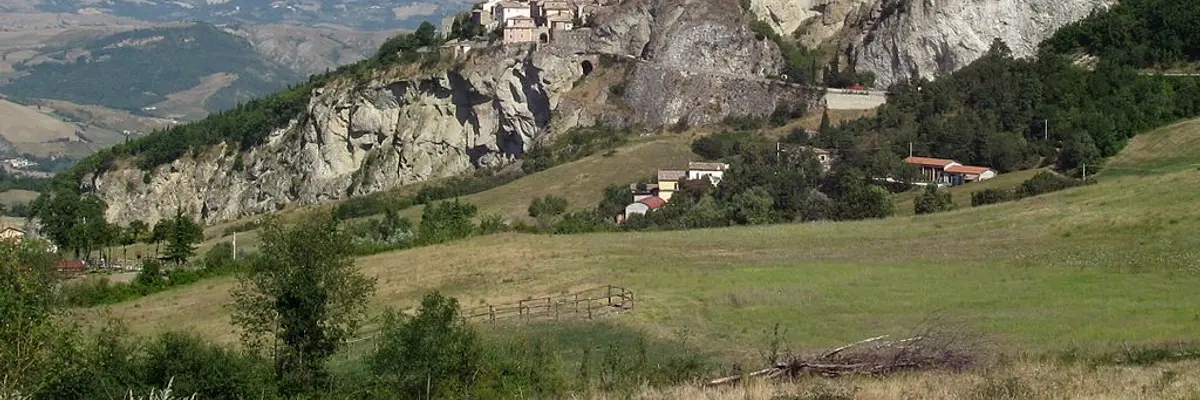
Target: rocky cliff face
{"points": [[690, 60], [895, 38]]}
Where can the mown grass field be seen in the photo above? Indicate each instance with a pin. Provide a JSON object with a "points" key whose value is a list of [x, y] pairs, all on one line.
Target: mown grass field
{"points": [[1090, 267], [1173, 148]]}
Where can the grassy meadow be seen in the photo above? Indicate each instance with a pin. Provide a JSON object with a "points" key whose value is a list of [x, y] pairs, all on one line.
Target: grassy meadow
{"points": [[1090, 268]]}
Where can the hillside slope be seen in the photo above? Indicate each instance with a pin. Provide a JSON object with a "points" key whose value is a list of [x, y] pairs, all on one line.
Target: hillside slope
{"points": [[1093, 266]]}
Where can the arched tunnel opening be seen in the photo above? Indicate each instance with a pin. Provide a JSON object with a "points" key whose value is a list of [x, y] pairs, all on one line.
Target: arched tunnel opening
{"points": [[587, 67]]}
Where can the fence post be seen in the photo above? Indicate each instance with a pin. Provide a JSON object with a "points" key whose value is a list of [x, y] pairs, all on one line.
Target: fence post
{"points": [[576, 303], [492, 313], [609, 294], [589, 307]]}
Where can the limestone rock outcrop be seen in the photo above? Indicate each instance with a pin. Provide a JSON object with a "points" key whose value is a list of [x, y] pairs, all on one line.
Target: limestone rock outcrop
{"points": [[691, 61], [895, 38]]}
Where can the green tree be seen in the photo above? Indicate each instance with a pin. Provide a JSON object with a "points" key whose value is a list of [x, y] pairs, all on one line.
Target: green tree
{"points": [[614, 201], [752, 207], [1079, 150], [826, 126], [28, 335], [182, 236], [537, 159], [545, 209], [138, 230], [856, 199], [706, 213], [548, 206], [72, 220], [446, 221], [932, 200], [433, 354], [303, 294]]}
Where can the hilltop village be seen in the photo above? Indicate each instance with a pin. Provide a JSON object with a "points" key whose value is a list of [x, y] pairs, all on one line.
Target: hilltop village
{"points": [[532, 21]]}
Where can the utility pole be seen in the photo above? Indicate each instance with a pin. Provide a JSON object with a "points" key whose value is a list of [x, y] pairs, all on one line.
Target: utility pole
{"points": [[235, 245], [910, 149], [1046, 131], [1085, 172]]}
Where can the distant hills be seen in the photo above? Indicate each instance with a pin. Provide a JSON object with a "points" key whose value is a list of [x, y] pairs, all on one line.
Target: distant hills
{"points": [[137, 70]]}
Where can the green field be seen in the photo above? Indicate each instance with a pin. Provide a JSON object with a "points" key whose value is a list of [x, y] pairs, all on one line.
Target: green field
{"points": [[1090, 267]]}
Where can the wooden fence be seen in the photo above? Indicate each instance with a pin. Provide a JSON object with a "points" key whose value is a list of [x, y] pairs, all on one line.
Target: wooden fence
{"points": [[587, 304]]}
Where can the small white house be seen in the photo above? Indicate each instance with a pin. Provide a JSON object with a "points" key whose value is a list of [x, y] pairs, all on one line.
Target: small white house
{"points": [[508, 10], [700, 170]]}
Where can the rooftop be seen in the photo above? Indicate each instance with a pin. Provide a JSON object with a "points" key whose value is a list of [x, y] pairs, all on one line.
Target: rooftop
{"points": [[671, 175], [968, 169], [654, 202], [707, 166], [937, 162]]}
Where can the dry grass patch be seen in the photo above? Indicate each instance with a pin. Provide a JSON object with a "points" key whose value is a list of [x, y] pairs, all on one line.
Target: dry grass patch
{"points": [[1024, 380]]}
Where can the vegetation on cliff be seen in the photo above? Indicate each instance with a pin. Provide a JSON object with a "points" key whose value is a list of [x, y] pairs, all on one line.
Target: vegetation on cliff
{"points": [[1013, 114], [1137, 33]]}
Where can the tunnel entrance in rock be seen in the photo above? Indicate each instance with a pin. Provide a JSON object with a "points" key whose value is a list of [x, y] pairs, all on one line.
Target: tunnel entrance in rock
{"points": [[544, 38], [587, 67]]}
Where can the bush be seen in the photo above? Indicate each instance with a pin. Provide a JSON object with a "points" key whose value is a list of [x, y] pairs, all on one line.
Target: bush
{"points": [[1045, 182], [583, 221], [446, 221], [492, 223], [932, 200], [547, 206], [434, 353], [193, 365], [991, 196], [537, 159], [219, 257]]}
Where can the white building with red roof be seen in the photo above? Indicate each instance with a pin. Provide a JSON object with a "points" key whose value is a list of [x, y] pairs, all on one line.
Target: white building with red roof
{"points": [[940, 170]]}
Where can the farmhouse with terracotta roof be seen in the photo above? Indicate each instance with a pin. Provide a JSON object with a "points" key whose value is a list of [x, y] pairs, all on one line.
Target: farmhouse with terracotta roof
{"points": [[940, 170]]}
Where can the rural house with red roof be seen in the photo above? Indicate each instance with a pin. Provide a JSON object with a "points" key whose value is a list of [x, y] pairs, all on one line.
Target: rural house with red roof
{"points": [[940, 170]]}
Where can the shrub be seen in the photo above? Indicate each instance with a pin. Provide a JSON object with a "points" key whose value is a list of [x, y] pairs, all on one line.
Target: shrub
{"points": [[192, 365], [537, 159], [991, 196], [1045, 182], [547, 206], [933, 200], [219, 257], [583, 221], [492, 223], [434, 353], [446, 221]]}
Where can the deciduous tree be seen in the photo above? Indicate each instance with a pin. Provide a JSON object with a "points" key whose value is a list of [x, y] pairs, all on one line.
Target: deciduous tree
{"points": [[301, 299]]}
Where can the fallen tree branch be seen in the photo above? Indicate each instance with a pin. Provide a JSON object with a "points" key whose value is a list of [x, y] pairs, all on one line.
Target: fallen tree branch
{"points": [[923, 352]]}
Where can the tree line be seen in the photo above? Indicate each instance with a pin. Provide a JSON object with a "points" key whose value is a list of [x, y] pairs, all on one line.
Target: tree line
{"points": [[1013, 114], [1137, 33]]}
